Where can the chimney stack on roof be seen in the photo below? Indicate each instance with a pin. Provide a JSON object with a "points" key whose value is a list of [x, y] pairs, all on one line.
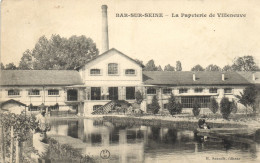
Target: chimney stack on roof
{"points": [[223, 77], [105, 44], [253, 76], [194, 77]]}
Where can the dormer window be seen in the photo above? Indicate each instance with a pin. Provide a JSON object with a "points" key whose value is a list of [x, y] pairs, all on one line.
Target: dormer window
{"points": [[112, 68], [95, 71], [130, 72]]}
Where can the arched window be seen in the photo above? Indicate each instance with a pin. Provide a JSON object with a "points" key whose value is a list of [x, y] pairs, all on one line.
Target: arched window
{"points": [[112, 68]]}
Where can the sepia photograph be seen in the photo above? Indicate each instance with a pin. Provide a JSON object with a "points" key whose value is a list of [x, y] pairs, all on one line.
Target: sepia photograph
{"points": [[133, 81]]}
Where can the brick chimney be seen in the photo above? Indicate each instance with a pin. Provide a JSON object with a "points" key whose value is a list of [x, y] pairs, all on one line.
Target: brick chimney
{"points": [[105, 44]]}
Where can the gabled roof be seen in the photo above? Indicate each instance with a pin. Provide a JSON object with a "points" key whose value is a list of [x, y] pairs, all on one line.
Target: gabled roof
{"points": [[249, 76], [39, 77], [179, 78], [2, 103], [107, 52]]}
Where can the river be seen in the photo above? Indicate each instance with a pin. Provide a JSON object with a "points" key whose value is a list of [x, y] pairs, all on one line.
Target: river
{"points": [[138, 143]]}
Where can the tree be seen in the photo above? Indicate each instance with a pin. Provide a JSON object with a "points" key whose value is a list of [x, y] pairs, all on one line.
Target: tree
{"points": [[159, 68], [212, 67], [197, 68], [59, 53], [173, 106], [245, 63], [227, 68], [234, 106], [225, 107], [178, 66], [139, 97], [10, 66], [213, 105], [169, 68], [139, 61], [154, 106], [150, 66], [26, 62], [248, 97], [2, 66], [196, 107]]}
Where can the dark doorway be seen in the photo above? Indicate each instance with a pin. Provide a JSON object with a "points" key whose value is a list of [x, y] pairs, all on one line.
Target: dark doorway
{"points": [[95, 93], [113, 93], [72, 95]]}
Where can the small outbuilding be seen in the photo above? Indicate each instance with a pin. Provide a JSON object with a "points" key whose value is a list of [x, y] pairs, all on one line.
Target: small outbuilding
{"points": [[12, 106]]}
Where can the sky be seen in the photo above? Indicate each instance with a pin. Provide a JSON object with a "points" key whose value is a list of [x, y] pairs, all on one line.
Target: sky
{"points": [[201, 40]]}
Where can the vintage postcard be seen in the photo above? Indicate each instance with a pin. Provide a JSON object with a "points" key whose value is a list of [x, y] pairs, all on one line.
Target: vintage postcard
{"points": [[129, 81]]}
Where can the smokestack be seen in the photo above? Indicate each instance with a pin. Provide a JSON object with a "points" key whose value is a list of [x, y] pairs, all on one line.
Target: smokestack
{"points": [[194, 77], [105, 45], [223, 76]]}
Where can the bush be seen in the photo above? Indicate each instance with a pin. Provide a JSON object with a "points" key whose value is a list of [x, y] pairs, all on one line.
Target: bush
{"points": [[139, 97], [213, 105], [196, 107], [173, 106], [154, 106], [225, 107], [234, 106]]}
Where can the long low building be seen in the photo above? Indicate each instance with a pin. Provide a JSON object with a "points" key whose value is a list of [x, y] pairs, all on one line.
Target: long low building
{"points": [[115, 76]]}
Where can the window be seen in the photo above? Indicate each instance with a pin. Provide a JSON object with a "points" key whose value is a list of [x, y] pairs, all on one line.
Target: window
{"points": [[34, 108], [228, 90], [34, 92], [112, 68], [213, 90], [151, 91], [183, 90], [96, 107], [187, 101], [167, 91], [95, 72], [165, 106], [95, 93], [53, 92], [13, 92], [130, 72], [130, 93], [198, 90]]}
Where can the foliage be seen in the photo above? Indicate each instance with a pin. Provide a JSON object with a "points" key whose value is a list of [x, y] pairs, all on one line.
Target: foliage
{"points": [[225, 107], [244, 63], [248, 97], [169, 68], [227, 68], [197, 68], [139, 61], [196, 107], [10, 66], [173, 106], [139, 97], [234, 106], [2, 66], [154, 106], [64, 152], [159, 68], [178, 66], [212, 67], [150, 66], [59, 53], [213, 105]]}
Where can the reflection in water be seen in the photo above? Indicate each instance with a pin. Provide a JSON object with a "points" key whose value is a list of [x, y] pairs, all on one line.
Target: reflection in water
{"points": [[150, 144]]}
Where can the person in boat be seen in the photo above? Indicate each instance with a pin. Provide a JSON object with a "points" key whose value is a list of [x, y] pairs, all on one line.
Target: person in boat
{"points": [[202, 124]]}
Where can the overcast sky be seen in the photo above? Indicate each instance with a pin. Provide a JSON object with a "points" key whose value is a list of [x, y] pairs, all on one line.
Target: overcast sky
{"points": [[166, 40]]}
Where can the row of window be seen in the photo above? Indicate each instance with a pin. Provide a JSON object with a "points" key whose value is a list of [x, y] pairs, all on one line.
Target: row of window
{"points": [[112, 93], [33, 92], [185, 90], [112, 70]]}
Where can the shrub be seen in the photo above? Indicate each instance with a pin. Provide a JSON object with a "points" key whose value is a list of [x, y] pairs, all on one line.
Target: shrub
{"points": [[139, 97], [196, 107], [213, 105], [173, 106], [225, 107], [154, 106], [234, 106]]}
